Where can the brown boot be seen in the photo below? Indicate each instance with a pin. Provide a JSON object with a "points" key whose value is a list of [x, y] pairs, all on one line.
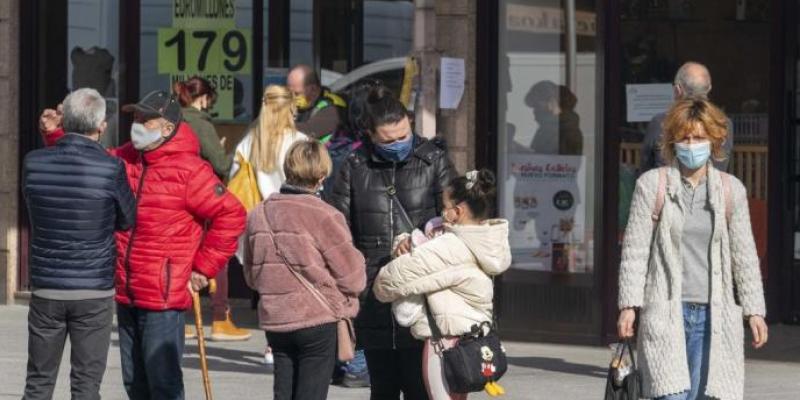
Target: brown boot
{"points": [[190, 333], [226, 331]]}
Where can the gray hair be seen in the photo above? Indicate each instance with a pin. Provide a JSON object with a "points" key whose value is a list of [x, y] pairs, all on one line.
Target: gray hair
{"points": [[84, 111], [694, 80]]}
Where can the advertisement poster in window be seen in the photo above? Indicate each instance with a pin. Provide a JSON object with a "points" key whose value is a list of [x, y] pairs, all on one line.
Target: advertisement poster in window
{"points": [[548, 220], [205, 41]]}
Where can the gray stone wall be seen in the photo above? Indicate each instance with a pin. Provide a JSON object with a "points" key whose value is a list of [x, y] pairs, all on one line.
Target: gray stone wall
{"points": [[9, 148], [455, 37]]}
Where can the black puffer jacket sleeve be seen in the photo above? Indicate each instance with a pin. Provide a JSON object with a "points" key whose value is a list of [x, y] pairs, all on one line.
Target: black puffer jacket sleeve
{"points": [[124, 201], [444, 173], [339, 197]]}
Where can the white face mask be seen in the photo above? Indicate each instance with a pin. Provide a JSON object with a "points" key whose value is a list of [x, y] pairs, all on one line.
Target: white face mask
{"points": [[142, 137]]}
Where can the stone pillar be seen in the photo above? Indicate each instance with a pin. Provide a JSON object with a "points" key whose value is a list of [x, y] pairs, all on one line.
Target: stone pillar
{"points": [[428, 60], [455, 37], [9, 147], [447, 28]]}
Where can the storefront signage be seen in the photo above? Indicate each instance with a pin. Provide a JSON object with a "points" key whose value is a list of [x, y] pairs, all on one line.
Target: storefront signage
{"points": [[535, 19], [205, 41], [543, 196], [646, 100]]}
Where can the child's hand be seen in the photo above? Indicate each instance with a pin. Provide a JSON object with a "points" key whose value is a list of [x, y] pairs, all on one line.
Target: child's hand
{"points": [[404, 247]]}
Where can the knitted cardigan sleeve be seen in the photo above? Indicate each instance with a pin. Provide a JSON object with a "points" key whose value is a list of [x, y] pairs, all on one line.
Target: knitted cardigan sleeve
{"points": [[637, 242], [744, 258]]}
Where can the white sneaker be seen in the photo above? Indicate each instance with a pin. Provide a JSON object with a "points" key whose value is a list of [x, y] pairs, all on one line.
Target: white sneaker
{"points": [[269, 360]]}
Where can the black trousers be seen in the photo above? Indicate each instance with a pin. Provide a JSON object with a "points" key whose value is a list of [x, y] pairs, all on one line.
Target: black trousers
{"points": [[88, 325], [304, 360], [394, 371]]}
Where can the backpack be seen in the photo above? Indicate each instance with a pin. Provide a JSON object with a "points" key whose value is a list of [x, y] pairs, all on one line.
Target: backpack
{"points": [[662, 191], [244, 185]]}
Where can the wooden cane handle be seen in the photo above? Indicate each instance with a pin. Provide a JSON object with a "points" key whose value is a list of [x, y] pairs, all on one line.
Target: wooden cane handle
{"points": [[212, 286]]}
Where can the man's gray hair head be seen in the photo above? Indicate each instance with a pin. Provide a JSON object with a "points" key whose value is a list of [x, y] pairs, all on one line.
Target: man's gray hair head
{"points": [[84, 111], [693, 80]]}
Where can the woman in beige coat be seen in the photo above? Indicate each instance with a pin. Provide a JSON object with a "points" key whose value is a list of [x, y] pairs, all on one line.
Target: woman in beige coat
{"points": [[454, 271], [688, 255]]}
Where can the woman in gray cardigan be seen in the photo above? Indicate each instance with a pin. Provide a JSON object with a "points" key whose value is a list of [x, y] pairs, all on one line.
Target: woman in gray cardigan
{"points": [[689, 266]]}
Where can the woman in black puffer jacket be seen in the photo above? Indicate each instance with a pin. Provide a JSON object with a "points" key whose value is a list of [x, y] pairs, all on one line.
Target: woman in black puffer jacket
{"points": [[418, 170]]}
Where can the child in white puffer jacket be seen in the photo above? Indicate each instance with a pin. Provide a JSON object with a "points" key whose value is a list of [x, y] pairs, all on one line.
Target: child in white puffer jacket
{"points": [[454, 270]]}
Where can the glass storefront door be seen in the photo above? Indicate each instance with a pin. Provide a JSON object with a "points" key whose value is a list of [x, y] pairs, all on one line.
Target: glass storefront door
{"points": [[549, 128]]}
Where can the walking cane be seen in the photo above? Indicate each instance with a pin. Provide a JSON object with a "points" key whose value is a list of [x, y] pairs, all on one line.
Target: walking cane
{"points": [[201, 341]]}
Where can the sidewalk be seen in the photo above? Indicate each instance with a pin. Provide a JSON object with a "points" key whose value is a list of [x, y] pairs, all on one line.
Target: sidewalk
{"points": [[538, 371]]}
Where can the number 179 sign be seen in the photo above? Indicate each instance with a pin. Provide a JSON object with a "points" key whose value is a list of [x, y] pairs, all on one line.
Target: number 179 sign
{"points": [[204, 40], [204, 51]]}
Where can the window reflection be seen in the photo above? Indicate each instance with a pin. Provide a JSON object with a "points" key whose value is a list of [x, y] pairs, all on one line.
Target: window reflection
{"points": [[547, 117]]}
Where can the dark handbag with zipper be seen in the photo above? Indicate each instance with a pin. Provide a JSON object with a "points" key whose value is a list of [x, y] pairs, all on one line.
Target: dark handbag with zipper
{"points": [[478, 360], [624, 379], [475, 363]]}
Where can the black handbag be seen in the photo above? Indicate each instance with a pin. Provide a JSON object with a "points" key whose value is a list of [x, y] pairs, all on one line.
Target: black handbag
{"points": [[476, 360], [630, 388]]}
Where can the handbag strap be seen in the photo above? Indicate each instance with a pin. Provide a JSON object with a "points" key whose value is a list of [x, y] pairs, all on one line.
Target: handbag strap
{"points": [[627, 344], [436, 334], [314, 292], [391, 191]]}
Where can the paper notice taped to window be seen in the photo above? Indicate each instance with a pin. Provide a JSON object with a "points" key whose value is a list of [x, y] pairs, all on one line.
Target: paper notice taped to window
{"points": [[451, 84]]}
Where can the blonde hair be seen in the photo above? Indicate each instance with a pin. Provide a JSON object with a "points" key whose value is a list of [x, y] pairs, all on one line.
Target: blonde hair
{"points": [[307, 162], [687, 115], [276, 117]]}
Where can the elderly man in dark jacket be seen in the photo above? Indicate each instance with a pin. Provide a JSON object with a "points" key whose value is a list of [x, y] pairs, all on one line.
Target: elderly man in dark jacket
{"points": [[395, 177], [77, 196]]}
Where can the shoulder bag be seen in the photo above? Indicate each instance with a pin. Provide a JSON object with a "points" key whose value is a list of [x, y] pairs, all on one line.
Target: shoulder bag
{"points": [[345, 331]]}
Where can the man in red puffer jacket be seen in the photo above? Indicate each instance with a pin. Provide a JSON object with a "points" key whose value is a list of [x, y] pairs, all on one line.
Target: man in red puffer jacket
{"points": [[168, 252]]}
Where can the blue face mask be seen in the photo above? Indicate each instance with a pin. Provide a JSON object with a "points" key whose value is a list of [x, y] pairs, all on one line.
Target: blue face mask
{"points": [[396, 151], [693, 156]]}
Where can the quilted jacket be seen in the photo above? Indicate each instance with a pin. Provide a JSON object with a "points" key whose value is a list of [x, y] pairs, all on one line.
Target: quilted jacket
{"points": [[186, 220], [455, 272], [77, 195], [360, 193]]}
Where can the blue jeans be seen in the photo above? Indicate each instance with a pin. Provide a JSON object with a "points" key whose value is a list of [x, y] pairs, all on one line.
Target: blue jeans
{"points": [[697, 328], [151, 348]]}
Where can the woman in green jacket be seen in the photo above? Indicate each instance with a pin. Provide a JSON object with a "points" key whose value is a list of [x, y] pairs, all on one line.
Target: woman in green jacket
{"points": [[196, 95]]}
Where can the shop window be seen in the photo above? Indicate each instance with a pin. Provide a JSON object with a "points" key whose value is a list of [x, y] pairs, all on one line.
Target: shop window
{"points": [[216, 43], [301, 38], [549, 127], [93, 54], [726, 36]]}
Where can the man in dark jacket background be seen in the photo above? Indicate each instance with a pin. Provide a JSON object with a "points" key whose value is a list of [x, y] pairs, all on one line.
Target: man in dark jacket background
{"points": [[317, 112], [416, 170], [693, 80], [77, 195]]}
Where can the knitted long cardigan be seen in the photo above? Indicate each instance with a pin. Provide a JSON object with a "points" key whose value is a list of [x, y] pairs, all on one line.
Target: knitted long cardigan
{"points": [[650, 279]]}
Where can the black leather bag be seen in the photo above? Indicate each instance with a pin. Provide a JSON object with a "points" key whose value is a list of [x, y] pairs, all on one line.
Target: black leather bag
{"points": [[630, 388], [477, 359]]}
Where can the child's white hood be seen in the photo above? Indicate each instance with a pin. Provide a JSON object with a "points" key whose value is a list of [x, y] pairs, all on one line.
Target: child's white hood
{"points": [[488, 242]]}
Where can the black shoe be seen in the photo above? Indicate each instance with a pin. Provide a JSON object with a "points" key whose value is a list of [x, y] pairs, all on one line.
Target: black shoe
{"points": [[356, 381], [338, 376]]}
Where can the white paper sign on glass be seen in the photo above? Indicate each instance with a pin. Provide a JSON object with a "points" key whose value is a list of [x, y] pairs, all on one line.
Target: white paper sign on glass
{"points": [[646, 100], [451, 86]]}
